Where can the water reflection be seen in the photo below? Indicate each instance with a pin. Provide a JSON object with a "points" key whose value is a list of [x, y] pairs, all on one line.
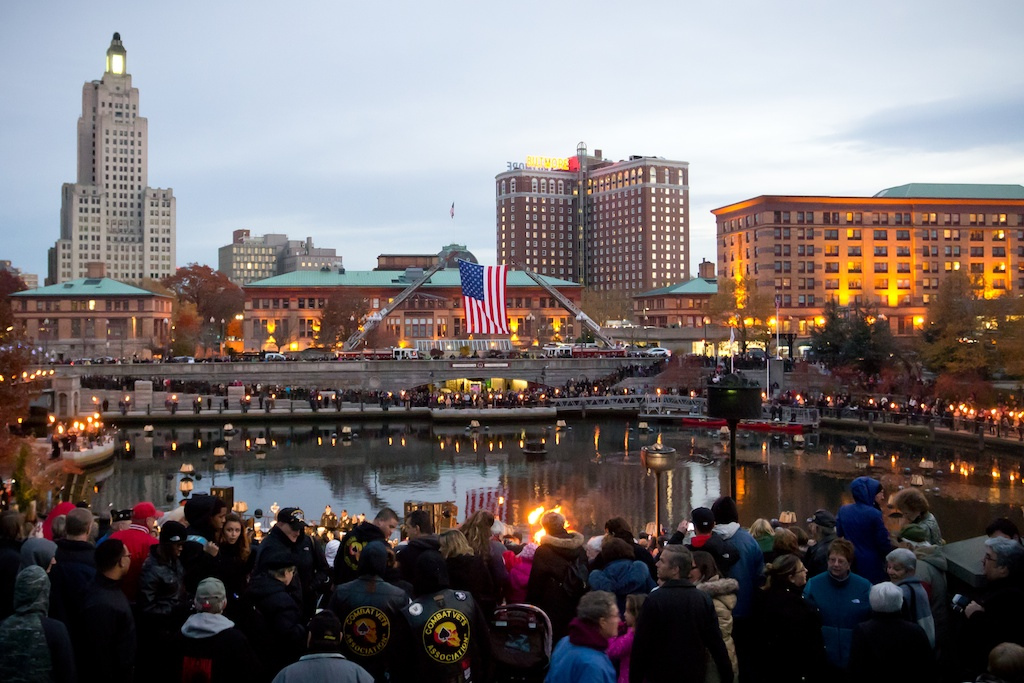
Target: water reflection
{"points": [[592, 468]]}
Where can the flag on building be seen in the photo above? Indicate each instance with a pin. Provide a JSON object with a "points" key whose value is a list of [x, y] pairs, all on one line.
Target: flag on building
{"points": [[490, 499], [452, 211], [483, 298]]}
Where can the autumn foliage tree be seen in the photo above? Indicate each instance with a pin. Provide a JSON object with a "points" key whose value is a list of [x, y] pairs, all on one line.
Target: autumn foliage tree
{"points": [[739, 303], [15, 358], [212, 293], [340, 319]]}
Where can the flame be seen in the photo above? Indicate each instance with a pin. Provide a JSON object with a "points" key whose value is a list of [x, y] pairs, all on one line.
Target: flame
{"points": [[535, 515]]}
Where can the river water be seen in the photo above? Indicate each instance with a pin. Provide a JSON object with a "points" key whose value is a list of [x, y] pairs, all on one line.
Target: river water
{"points": [[592, 469]]}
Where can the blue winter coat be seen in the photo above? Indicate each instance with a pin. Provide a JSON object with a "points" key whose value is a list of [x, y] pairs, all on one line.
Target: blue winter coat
{"points": [[749, 568], [622, 577], [843, 605], [861, 523], [572, 663]]}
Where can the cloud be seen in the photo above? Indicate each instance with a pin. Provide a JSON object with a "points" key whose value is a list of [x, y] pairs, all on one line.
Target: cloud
{"points": [[952, 125]]}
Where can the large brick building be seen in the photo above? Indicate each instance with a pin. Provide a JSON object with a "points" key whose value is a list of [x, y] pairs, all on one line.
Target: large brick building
{"points": [[890, 251], [608, 225]]}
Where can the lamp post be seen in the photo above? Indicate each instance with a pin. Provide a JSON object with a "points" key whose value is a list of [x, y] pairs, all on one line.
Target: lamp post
{"points": [[706, 320], [44, 332]]}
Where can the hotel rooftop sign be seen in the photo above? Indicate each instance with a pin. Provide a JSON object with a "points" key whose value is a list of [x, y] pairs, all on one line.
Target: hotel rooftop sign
{"points": [[539, 163]]}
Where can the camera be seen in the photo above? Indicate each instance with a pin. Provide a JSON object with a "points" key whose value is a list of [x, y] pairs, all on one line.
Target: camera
{"points": [[960, 602]]}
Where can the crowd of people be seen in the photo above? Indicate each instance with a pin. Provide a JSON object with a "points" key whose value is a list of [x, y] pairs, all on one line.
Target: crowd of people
{"points": [[192, 595]]}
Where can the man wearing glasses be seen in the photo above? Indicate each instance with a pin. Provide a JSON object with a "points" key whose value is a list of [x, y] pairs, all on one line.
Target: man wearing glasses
{"points": [[993, 617], [106, 632]]}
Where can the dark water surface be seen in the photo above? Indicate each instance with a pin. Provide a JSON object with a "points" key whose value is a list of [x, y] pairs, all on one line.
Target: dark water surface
{"points": [[592, 469]]}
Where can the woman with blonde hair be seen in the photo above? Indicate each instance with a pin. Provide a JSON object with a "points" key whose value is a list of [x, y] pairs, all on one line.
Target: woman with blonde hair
{"points": [[466, 570], [764, 534]]}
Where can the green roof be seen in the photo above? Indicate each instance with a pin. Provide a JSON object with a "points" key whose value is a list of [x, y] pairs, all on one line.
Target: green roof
{"points": [[388, 278], [88, 286], [698, 285], [953, 191]]}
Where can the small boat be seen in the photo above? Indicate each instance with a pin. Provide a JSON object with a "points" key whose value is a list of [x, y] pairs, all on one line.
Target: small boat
{"points": [[229, 429], [560, 425], [102, 450], [534, 450], [346, 433]]}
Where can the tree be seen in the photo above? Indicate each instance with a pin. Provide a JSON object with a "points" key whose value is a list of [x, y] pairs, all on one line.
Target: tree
{"points": [[15, 357], [340, 319], [856, 338], [214, 295], [952, 341], [602, 306], [187, 327], [741, 304]]}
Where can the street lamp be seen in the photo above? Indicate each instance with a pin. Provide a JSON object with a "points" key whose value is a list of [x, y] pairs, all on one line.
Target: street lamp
{"points": [[706, 320]]}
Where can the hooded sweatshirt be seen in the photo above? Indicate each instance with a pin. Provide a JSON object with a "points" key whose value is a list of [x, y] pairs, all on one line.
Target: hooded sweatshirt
{"points": [[211, 643], [34, 647], [861, 523]]}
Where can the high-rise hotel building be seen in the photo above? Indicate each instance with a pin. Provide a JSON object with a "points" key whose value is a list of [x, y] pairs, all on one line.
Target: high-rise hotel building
{"points": [[889, 252], [110, 214], [607, 225]]}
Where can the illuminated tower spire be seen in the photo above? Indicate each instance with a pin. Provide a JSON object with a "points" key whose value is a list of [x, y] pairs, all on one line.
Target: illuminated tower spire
{"points": [[117, 58]]}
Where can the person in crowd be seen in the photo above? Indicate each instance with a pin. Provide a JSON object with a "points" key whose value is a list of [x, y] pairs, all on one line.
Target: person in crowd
{"points": [[993, 616], [34, 647], [581, 656], [823, 532], [138, 537], [447, 628], [519, 568], [901, 566], [704, 539], [620, 647], [762, 531], [784, 542], [802, 540], [162, 604], [39, 552], [58, 529], [621, 575], [289, 536], [235, 558], [273, 619], [119, 521], [466, 570], [679, 619], [75, 568], [913, 505], [420, 531], [211, 648], [331, 552], [370, 610], [105, 637], [1005, 664], [10, 558], [1003, 527], [706, 576], [59, 510], [748, 571], [782, 617], [842, 599], [886, 647], [323, 661], [482, 531], [346, 565], [200, 555], [861, 523], [931, 570], [620, 528], [550, 588]]}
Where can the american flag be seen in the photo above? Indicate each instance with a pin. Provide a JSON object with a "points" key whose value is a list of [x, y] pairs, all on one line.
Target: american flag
{"points": [[490, 499], [452, 211], [483, 297]]}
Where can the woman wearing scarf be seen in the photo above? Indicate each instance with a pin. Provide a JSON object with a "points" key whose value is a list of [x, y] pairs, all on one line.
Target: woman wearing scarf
{"points": [[581, 656]]}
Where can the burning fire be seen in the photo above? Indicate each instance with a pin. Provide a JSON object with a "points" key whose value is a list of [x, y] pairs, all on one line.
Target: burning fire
{"points": [[534, 518]]}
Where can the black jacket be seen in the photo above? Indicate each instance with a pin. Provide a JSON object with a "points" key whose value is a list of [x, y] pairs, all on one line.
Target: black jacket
{"points": [[678, 619], [370, 611], [782, 617], [275, 624], [310, 564], [888, 648], [469, 573], [226, 654], [408, 553], [104, 638], [544, 588], [346, 564], [816, 557], [10, 565], [70, 577]]}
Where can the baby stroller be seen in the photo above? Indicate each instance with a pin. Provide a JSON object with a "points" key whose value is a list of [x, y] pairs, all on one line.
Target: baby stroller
{"points": [[520, 643]]}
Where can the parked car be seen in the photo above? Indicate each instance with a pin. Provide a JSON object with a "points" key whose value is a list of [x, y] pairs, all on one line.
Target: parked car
{"points": [[270, 356], [657, 352], [183, 359]]}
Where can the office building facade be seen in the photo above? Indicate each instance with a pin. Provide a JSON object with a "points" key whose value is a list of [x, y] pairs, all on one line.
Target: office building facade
{"points": [[889, 252], [256, 257], [110, 215], [607, 225]]}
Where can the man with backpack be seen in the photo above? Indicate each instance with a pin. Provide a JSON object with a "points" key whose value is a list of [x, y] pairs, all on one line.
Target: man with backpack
{"points": [[558, 578]]}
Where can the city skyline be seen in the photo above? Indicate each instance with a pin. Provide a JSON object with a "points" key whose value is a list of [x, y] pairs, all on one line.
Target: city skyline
{"points": [[360, 128]]}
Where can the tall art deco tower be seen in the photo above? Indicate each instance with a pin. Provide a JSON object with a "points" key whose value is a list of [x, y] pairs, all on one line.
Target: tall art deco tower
{"points": [[110, 215]]}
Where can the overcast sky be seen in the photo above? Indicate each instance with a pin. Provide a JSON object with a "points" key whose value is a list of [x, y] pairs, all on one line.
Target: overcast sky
{"points": [[358, 124]]}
